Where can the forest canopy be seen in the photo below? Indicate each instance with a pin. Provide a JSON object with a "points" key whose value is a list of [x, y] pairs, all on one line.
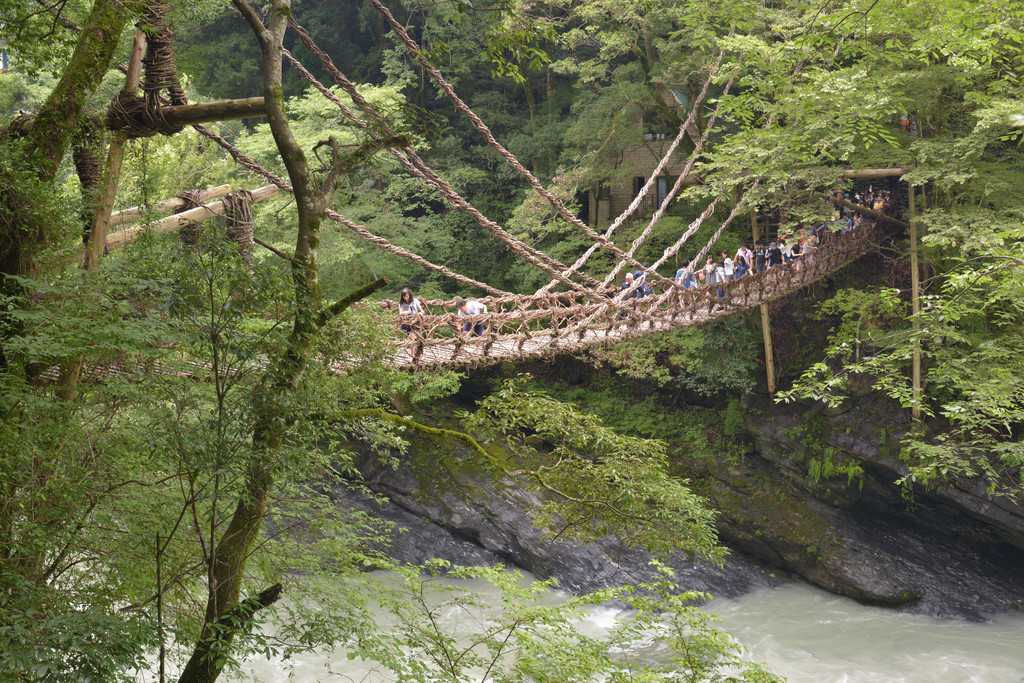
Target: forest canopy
{"points": [[171, 503]]}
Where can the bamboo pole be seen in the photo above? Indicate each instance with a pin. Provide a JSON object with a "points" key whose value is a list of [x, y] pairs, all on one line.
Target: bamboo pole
{"points": [[877, 215], [202, 213], [174, 204], [115, 156], [766, 323], [915, 303], [866, 173]]}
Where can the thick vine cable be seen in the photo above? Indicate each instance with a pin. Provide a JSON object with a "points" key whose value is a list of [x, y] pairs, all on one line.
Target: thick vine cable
{"points": [[671, 195], [420, 169], [477, 123], [635, 204], [242, 159]]}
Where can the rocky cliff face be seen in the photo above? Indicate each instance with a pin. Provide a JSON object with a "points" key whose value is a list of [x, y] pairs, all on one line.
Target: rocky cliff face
{"points": [[812, 497], [815, 495], [466, 518]]}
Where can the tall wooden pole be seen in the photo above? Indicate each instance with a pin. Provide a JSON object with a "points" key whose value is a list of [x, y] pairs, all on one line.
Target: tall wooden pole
{"points": [[766, 323], [96, 238], [96, 245], [915, 303]]}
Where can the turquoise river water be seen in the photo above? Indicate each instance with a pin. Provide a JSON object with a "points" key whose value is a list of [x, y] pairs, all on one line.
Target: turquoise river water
{"points": [[809, 636]]}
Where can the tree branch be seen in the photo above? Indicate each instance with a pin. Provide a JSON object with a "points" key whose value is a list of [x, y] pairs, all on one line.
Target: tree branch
{"points": [[382, 414], [357, 295]]}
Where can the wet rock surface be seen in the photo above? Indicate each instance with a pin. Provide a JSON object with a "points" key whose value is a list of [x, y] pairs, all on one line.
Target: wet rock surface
{"points": [[493, 526], [952, 552]]}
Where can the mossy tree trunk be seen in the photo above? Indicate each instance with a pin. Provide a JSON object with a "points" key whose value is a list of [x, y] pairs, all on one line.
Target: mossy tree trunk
{"points": [[23, 210], [56, 125], [274, 409]]}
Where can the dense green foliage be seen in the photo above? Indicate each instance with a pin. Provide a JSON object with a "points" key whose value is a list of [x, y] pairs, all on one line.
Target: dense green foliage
{"points": [[106, 484], [525, 639]]}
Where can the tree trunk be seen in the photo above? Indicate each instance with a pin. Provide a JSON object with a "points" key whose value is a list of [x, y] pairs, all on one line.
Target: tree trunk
{"points": [[915, 303], [225, 616], [531, 101], [58, 121]]}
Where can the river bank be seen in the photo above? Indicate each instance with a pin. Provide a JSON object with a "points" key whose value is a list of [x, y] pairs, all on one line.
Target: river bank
{"points": [[953, 552]]}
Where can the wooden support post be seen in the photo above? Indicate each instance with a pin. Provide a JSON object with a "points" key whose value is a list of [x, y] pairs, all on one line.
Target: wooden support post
{"points": [[96, 238], [915, 303], [766, 323], [769, 357]]}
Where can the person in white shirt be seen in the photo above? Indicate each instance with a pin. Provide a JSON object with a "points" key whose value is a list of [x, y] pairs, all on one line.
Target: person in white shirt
{"points": [[408, 307], [787, 248], [471, 307], [727, 267], [746, 253]]}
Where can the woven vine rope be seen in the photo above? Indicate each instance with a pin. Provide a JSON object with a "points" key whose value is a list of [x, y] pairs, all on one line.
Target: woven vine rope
{"points": [[238, 212], [638, 200], [477, 123], [520, 327], [86, 154], [418, 168], [189, 232], [242, 159], [143, 117]]}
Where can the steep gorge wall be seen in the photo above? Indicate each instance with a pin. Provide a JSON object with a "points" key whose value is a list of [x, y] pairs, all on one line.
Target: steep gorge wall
{"points": [[952, 552]]}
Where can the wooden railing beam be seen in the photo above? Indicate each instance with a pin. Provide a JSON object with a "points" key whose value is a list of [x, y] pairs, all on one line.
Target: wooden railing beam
{"points": [[134, 213], [222, 110], [203, 213]]}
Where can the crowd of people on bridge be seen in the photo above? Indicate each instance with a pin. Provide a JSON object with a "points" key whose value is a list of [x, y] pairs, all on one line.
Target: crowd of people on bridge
{"points": [[791, 251]]}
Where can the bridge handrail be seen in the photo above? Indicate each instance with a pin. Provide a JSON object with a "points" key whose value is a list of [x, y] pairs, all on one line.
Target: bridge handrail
{"points": [[573, 319]]}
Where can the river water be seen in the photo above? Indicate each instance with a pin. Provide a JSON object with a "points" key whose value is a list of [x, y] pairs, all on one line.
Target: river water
{"points": [[807, 635]]}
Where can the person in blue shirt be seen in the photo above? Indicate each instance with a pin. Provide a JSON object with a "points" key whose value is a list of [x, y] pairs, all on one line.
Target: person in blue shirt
{"points": [[685, 276], [740, 267], [643, 289]]}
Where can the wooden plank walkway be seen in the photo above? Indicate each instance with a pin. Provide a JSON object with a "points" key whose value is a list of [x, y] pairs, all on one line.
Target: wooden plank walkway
{"points": [[526, 326], [541, 327]]}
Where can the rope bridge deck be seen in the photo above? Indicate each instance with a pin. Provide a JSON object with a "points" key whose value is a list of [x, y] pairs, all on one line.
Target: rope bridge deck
{"points": [[521, 327], [531, 326]]}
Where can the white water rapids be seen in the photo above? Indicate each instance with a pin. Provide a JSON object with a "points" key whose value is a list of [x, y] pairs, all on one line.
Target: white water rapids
{"points": [[807, 635], [811, 636]]}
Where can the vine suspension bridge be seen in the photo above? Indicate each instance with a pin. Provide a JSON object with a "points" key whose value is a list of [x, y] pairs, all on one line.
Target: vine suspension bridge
{"points": [[585, 313], [522, 327]]}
